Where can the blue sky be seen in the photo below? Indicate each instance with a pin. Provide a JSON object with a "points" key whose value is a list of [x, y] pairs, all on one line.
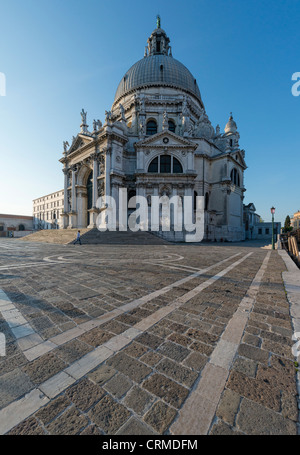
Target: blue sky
{"points": [[61, 56]]}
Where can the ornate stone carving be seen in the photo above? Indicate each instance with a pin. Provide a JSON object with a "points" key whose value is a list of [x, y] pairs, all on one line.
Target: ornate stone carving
{"points": [[66, 145], [165, 124], [204, 127], [122, 110], [100, 188]]}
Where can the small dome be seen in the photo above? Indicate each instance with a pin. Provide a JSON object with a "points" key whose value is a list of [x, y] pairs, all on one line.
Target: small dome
{"points": [[231, 126]]}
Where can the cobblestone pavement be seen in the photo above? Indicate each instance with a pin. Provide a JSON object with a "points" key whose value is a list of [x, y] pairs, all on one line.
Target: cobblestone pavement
{"points": [[175, 339]]}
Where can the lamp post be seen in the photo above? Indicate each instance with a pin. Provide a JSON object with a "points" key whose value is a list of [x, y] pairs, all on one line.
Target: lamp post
{"points": [[273, 211]]}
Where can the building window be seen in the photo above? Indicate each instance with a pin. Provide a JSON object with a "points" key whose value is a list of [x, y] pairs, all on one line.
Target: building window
{"points": [[153, 165], [235, 177], [151, 128], [267, 231], [171, 126], [165, 164], [260, 231], [206, 201]]}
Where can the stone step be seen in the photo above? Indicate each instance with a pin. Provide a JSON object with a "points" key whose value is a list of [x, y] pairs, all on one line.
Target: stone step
{"points": [[94, 236]]}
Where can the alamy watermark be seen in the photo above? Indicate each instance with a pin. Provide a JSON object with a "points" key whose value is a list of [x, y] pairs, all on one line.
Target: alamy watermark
{"points": [[296, 85], [2, 84], [2, 345], [155, 213]]}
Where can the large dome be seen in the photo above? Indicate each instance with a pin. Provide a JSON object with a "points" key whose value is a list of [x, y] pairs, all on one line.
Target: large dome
{"points": [[158, 70]]}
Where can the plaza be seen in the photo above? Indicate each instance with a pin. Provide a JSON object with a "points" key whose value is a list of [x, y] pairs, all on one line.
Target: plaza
{"points": [[151, 339]]}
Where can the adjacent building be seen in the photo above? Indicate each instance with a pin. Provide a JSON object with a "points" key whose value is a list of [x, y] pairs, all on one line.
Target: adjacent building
{"points": [[295, 220], [47, 210], [255, 228], [15, 225]]}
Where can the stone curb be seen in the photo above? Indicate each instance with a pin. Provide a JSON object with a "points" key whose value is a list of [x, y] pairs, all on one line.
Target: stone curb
{"points": [[291, 280]]}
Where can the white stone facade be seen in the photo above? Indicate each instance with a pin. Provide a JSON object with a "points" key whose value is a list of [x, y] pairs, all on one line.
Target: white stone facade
{"points": [[47, 210], [157, 139]]}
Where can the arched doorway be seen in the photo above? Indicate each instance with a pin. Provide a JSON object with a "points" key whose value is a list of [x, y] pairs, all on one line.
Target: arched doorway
{"points": [[89, 188]]}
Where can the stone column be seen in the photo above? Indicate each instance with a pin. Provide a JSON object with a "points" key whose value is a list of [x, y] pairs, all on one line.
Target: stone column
{"points": [[73, 212], [64, 215], [107, 152], [94, 211]]}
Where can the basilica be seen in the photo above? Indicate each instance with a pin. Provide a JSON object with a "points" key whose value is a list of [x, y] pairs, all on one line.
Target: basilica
{"points": [[157, 140]]}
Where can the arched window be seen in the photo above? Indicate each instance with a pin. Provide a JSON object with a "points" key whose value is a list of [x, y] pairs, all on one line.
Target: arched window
{"points": [[165, 164], [235, 177], [153, 165], [177, 168], [171, 126], [151, 128]]}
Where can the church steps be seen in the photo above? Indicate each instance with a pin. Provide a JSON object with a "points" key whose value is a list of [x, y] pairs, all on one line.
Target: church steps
{"points": [[94, 236]]}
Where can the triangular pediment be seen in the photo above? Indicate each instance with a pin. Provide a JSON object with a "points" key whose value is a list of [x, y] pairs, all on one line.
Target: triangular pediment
{"points": [[80, 141], [237, 156], [165, 139], [251, 207]]}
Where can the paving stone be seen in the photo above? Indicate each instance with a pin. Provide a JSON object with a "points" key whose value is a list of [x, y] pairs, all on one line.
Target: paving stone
{"points": [[202, 348], [228, 406], [177, 372], [174, 351], [71, 422], [258, 391], [253, 353], [160, 417], [135, 427], [91, 430], [180, 339], [85, 394], [102, 374], [43, 368], [53, 409], [115, 327], [281, 375], [129, 366], [13, 385], [166, 389], [96, 337], [251, 339], [196, 361], [254, 419], [138, 400], [151, 358], [150, 340], [118, 385], [289, 407], [109, 415], [73, 350], [223, 429], [245, 366], [27, 427], [135, 350]]}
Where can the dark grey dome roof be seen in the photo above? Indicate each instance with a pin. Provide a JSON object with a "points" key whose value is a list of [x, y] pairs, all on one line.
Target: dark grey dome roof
{"points": [[158, 70]]}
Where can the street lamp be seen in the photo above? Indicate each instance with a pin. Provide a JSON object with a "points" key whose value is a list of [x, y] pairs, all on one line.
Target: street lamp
{"points": [[273, 211]]}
